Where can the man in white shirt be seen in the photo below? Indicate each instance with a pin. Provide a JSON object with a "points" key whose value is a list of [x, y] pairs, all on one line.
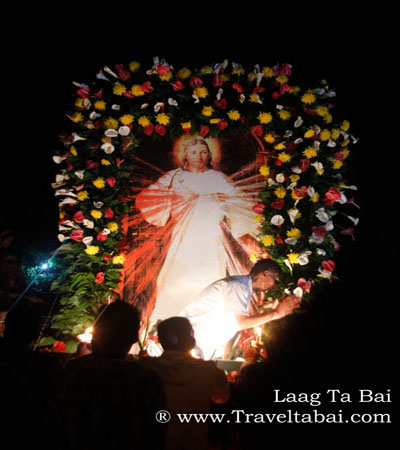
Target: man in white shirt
{"points": [[231, 304]]}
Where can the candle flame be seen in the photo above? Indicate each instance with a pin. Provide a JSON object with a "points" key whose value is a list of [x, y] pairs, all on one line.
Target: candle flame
{"points": [[86, 336]]}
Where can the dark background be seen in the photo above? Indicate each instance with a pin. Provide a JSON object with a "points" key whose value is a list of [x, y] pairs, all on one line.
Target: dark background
{"points": [[349, 337]]}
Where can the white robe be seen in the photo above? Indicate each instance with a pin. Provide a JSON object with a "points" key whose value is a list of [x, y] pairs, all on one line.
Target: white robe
{"points": [[197, 255]]}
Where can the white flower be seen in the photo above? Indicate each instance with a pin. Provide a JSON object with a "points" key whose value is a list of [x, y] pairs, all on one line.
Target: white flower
{"points": [[158, 106], [299, 122], [355, 220], [291, 241], [297, 170], [310, 191], [316, 239], [108, 148], [98, 204], [111, 133], [76, 137], [87, 240], [322, 215], [88, 224], [277, 220], [124, 130], [172, 102], [115, 107], [62, 238], [58, 159], [106, 231], [321, 252], [343, 199], [280, 178], [298, 292], [303, 258], [324, 274], [329, 226], [94, 115], [331, 143], [318, 166], [292, 214]]}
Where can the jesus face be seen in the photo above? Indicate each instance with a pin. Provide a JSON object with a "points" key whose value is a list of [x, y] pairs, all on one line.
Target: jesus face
{"points": [[197, 157]]}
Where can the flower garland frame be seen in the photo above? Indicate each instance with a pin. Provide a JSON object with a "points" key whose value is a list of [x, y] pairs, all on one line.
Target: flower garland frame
{"points": [[304, 151]]}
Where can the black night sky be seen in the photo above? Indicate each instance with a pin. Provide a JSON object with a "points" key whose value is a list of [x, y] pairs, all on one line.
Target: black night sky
{"points": [[354, 338]]}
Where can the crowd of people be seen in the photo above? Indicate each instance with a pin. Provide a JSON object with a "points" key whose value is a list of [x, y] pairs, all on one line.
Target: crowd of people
{"points": [[109, 397]]}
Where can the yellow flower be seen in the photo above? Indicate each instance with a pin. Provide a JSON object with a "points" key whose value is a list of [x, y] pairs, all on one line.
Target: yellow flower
{"points": [[259, 218], [310, 152], [280, 192], [119, 89], [186, 125], [118, 259], [112, 226], [294, 233], [284, 115], [79, 103], [335, 133], [225, 77], [111, 123], [207, 111], [308, 98], [92, 250], [345, 125], [322, 110], [315, 198], [268, 240], [325, 135], [294, 178], [328, 118], [284, 157], [265, 117], [234, 114], [200, 92], [99, 183], [166, 77], [96, 214], [82, 195], [76, 117], [251, 76], [345, 142], [215, 120], [137, 90], [267, 72], [162, 119], [346, 153], [126, 119], [296, 197], [253, 258], [292, 257], [255, 98], [105, 162], [309, 133], [61, 214], [134, 66], [238, 70], [143, 121], [337, 164], [279, 146], [73, 151], [270, 138], [282, 79], [294, 89], [184, 73], [100, 105], [206, 70], [264, 170]]}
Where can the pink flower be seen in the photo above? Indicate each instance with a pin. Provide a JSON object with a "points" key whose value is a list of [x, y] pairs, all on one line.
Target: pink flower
{"points": [[122, 73], [304, 284]]}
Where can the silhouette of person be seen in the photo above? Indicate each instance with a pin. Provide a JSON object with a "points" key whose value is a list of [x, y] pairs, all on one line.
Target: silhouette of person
{"points": [[190, 384], [106, 399]]}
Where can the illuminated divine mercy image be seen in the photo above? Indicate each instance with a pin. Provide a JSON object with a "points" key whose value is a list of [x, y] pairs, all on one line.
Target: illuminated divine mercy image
{"points": [[191, 225]]}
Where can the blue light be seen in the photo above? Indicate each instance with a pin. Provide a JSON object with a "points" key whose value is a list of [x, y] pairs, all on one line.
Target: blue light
{"points": [[44, 266]]}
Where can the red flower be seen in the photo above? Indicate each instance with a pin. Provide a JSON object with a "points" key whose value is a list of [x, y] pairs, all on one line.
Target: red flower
{"points": [[100, 277], [163, 70], [83, 92], [309, 111], [257, 130], [304, 284], [161, 130], [147, 87], [284, 88], [329, 266], [301, 193], [111, 181], [276, 95], [331, 196], [319, 231], [279, 240], [339, 156], [195, 82], [238, 88], [304, 164], [128, 94], [217, 81], [79, 217], [285, 69], [222, 124], [258, 89], [204, 130], [177, 86], [59, 346], [278, 162], [148, 130], [91, 164], [77, 235], [221, 103], [101, 236], [279, 204], [259, 208], [122, 73], [109, 213], [99, 93]]}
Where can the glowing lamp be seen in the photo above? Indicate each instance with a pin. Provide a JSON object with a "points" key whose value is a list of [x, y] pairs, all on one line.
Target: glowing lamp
{"points": [[86, 336]]}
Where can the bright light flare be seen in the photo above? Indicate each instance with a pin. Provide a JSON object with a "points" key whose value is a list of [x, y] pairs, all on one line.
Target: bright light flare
{"points": [[86, 336]]}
